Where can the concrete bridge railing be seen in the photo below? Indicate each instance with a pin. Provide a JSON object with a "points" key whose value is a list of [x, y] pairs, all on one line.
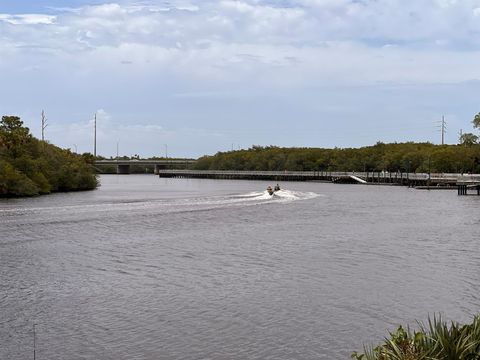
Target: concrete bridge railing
{"points": [[123, 166]]}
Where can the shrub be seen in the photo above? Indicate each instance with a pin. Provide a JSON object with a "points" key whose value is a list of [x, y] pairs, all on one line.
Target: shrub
{"points": [[31, 167], [437, 341]]}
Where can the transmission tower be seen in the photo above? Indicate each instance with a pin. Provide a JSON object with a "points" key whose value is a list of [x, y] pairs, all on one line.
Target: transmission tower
{"points": [[442, 127], [444, 130]]}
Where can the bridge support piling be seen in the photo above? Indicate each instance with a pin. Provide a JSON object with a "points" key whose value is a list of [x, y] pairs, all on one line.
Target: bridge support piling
{"points": [[123, 169]]}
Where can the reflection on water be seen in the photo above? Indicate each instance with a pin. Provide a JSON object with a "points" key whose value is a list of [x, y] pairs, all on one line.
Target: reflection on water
{"points": [[149, 268]]}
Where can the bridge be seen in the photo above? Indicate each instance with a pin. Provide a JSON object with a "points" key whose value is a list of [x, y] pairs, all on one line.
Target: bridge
{"points": [[123, 166]]}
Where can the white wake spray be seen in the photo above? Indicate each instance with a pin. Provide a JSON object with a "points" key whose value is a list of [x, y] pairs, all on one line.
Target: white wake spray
{"points": [[158, 206], [285, 195]]}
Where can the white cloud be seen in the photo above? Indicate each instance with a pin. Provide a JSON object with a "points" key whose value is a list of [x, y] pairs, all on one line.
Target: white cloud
{"points": [[109, 132], [104, 11], [142, 128], [28, 19], [145, 58], [324, 40], [303, 22]]}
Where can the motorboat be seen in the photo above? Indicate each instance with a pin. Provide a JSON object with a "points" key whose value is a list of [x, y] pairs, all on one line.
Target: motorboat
{"points": [[271, 190]]}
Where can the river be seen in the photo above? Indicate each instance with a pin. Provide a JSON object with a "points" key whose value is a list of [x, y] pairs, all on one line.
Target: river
{"points": [[149, 268]]}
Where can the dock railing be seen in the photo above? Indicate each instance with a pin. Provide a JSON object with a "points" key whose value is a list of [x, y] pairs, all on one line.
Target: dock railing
{"points": [[383, 176]]}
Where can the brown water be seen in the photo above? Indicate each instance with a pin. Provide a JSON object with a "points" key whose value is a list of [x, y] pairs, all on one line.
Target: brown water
{"points": [[149, 268]]}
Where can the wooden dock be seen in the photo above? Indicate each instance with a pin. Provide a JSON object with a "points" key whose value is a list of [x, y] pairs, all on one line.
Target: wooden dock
{"points": [[468, 188], [415, 180]]}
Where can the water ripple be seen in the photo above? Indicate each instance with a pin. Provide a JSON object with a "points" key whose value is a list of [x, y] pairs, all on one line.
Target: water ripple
{"points": [[214, 270]]}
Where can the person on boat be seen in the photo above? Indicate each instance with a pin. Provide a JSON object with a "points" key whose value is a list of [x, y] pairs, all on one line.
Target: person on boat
{"points": [[270, 190], [277, 187]]}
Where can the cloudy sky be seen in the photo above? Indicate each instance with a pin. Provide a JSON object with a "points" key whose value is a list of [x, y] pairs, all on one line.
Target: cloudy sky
{"points": [[207, 76]]}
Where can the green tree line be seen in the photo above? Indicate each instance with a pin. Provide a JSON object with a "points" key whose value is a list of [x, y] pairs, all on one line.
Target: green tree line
{"points": [[404, 157], [409, 156], [29, 166]]}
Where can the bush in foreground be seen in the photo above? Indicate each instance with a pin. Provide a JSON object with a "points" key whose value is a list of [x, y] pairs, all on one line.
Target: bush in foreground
{"points": [[437, 341]]}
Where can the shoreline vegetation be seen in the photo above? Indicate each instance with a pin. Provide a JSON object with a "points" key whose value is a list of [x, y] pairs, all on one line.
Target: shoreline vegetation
{"points": [[407, 157], [403, 157], [438, 340], [30, 167], [394, 157]]}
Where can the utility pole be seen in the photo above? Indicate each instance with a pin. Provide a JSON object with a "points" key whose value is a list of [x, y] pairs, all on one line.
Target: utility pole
{"points": [[166, 151], [117, 150], [44, 125], [95, 138], [460, 135]]}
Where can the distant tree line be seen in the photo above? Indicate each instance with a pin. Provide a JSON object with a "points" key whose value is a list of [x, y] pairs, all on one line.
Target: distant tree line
{"points": [[29, 166], [409, 156]]}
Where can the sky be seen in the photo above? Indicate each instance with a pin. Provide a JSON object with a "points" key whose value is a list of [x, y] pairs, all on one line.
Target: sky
{"points": [[197, 77]]}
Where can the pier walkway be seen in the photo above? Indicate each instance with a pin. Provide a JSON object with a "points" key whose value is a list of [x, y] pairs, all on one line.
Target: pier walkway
{"points": [[398, 178]]}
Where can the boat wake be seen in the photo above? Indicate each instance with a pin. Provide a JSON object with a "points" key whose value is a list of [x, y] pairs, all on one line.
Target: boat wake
{"points": [[280, 195], [151, 207]]}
